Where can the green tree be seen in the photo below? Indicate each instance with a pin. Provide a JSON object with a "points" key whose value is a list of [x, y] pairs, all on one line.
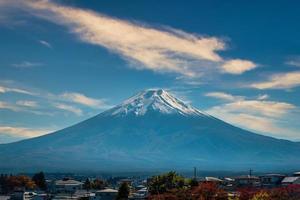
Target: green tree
{"points": [[124, 191], [165, 182], [39, 180]]}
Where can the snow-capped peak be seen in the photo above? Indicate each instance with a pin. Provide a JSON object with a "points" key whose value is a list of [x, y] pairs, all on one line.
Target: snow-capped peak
{"points": [[153, 100]]}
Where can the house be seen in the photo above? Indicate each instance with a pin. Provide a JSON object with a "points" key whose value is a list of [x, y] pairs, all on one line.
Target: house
{"points": [[106, 194], [271, 180], [211, 179], [21, 195], [247, 181], [67, 185], [140, 194], [139, 187], [228, 184], [292, 180], [50, 185], [296, 174], [79, 194], [64, 196], [17, 195], [228, 181], [39, 196], [4, 197]]}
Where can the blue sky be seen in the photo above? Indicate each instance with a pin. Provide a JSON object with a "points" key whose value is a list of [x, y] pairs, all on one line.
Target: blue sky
{"points": [[64, 61]]}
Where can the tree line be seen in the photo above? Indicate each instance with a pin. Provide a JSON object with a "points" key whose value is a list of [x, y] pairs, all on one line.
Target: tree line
{"points": [[8, 183]]}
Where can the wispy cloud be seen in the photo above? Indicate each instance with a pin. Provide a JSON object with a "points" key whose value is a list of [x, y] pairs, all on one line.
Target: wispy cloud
{"points": [[223, 96], [9, 106], [83, 100], [69, 108], [22, 131], [267, 126], [4, 89], [254, 114], [26, 103], [67, 101], [26, 64], [263, 97], [260, 105], [280, 81], [45, 43], [24, 106], [263, 108], [157, 49], [293, 61]]}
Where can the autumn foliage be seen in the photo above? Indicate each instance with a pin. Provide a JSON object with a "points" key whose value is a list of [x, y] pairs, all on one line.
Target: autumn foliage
{"points": [[10, 183], [204, 191], [171, 186]]}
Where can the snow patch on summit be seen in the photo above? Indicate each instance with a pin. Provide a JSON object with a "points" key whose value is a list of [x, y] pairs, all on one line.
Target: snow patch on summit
{"points": [[153, 100]]}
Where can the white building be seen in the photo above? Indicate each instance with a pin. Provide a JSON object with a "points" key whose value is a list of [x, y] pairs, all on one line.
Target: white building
{"points": [[292, 180], [271, 180], [140, 194], [106, 194], [296, 174], [67, 186], [21, 195]]}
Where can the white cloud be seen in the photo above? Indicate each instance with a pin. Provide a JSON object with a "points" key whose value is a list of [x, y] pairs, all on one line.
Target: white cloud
{"points": [[84, 100], [223, 96], [26, 64], [267, 126], [45, 43], [23, 106], [66, 101], [26, 103], [238, 66], [68, 108], [22, 131], [157, 49], [9, 106], [293, 61], [263, 108], [280, 81], [257, 115], [263, 97], [4, 89]]}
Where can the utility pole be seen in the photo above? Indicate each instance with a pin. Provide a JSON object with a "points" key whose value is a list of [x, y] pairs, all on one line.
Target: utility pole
{"points": [[250, 172]]}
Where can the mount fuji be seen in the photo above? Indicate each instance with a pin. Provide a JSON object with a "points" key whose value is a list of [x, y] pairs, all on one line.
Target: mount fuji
{"points": [[150, 131]]}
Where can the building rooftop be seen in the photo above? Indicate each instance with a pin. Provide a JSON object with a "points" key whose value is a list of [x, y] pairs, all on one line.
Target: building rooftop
{"points": [[68, 182], [228, 179], [143, 190], [277, 175], [247, 177], [108, 190], [290, 179], [213, 179], [296, 174]]}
